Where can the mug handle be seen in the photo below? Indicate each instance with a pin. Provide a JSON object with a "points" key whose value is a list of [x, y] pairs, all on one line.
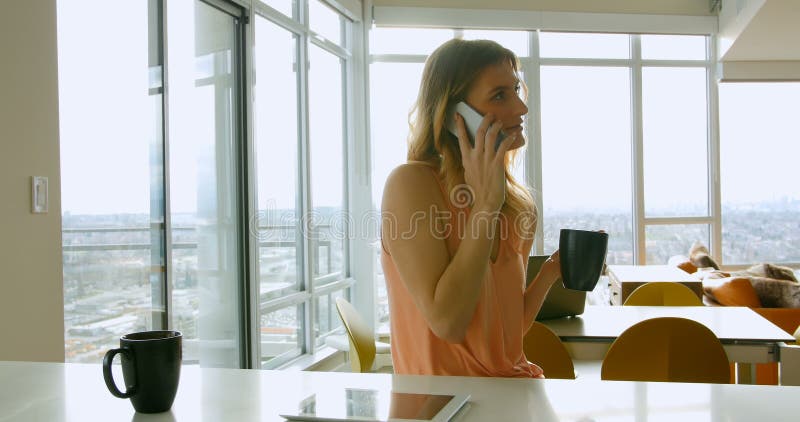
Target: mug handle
{"points": [[109, 377]]}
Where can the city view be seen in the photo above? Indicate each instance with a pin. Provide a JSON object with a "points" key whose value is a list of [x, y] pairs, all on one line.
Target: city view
{"points": [[109, 269], [112, 270]]}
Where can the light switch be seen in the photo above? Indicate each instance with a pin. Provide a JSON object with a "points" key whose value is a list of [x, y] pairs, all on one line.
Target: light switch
{"points": [[39, 187]]}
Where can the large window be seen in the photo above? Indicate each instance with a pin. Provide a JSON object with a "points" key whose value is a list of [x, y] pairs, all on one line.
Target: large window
{"points": [[301, 119], [759, 147], [675, 146], [112, 191], [135, 257], [586, 150], [280, 244], [204, 203], [174, 217]]}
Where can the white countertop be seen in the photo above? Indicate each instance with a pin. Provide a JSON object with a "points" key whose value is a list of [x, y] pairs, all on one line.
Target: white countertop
{"points": [[55, 392]]}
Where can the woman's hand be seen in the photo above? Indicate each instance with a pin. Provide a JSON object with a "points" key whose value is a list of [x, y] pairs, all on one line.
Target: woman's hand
{"points": [[551, 269], [484, 168], [535, 293]]}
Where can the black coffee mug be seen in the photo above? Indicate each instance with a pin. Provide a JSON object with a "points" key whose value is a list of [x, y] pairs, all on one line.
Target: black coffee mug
{"points": [[151, 367], [582, 254]]}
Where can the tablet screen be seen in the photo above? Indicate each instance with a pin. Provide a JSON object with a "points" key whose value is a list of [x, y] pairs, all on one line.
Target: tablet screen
{"points": [[373, 405]]}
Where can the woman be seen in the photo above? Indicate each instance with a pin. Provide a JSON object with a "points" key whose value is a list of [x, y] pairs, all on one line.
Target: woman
{"points": [[457, 228]]}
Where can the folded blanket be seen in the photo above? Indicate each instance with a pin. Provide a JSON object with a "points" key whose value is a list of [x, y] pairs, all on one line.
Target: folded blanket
{"points": [[775, 293], [750, 290], [762, 285]]}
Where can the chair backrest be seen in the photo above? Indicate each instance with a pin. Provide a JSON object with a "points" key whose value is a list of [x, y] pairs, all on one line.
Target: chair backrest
{"points": [[667, 349], [362, 341], [662, 293], [543, 347]]}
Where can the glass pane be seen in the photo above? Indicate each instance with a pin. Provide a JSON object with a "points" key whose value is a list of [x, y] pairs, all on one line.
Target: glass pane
{"points": [[673, 47], [328, 319], [325, 21], [276, 141], [111, 178], [516, 41], [393, 90], [281, 335], [584, 46], [675, 148], [407, 40], [203, 168], [586, 155], [759, 146], [327, 222], [287, 7], [665, 241]]}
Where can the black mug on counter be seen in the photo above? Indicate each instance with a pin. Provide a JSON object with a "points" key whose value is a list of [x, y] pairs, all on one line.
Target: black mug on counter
{"points": [[582, 254], [151, 368]]}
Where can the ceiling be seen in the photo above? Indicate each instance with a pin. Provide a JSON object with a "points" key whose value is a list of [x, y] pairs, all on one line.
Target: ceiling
{"points": [[773, 34]]}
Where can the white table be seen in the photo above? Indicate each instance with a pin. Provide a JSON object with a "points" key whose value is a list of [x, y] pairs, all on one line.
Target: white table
{"points": [[747, 336], [624, 279], [75, 392]]}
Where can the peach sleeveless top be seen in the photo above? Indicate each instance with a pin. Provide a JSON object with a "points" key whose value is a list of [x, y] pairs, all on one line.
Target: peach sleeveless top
{"points": [[493, 342]]}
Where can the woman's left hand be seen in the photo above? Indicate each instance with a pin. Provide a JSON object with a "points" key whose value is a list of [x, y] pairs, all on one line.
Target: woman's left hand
{"points": [[551, 268]]}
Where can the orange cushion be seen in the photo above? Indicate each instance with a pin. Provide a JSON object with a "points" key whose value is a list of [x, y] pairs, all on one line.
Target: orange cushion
{"points": [[736, 292], [688, 267]]}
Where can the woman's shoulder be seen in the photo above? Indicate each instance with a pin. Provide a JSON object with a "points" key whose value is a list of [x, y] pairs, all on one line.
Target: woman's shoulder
{"points": [[412, 172], [414, 179]]}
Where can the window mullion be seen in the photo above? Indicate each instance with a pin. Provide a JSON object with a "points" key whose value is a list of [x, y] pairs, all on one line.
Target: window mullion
{"points": [[656, 221], [328, 46], [714, 188], [251, 296], [164, 231], [533, 163], [304, 176], [637, 152], [278, 18]]}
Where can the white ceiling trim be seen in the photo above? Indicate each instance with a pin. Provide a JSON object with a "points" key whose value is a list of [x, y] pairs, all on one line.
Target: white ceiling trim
{"points": [[429, 17], [759, 71]]}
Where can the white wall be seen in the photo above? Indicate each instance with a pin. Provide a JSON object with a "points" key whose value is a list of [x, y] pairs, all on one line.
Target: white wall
{"points": [[31, 288]]}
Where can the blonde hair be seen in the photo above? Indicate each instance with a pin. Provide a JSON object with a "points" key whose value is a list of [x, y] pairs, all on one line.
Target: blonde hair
{"points": [[446, 80]]}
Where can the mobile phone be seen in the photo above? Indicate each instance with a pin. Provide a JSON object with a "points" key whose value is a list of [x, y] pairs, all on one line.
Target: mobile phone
{"points": [[472, 119]]}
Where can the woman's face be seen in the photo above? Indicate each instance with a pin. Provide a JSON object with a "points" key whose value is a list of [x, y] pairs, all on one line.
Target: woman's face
{"points": [[496, 90]]}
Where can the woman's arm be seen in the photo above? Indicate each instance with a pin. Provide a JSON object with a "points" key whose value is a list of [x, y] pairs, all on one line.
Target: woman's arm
{"points": [[537, 290], [446, 290]]}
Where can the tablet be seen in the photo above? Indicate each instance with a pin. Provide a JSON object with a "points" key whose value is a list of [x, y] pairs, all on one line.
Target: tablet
{"points": [[351, 404]]}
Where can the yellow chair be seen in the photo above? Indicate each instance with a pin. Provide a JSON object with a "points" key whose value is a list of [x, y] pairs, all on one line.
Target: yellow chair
{"points": [[660, 293], [667, 349], [543, 347], [363, 347]]}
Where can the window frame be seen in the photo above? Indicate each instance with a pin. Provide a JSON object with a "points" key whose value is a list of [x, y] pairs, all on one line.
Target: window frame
{"points": [[309, 293], [353, 142]]}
